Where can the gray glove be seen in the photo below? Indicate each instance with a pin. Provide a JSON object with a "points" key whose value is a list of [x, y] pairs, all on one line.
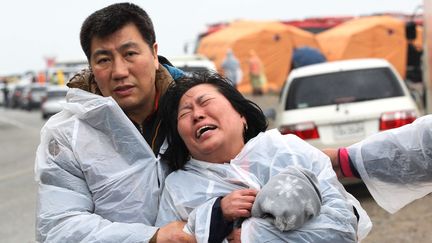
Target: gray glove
{"points": [[289, 199]]}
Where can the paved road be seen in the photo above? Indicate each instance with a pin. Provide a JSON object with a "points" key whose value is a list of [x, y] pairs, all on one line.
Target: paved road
{"points": [[19, 137]]}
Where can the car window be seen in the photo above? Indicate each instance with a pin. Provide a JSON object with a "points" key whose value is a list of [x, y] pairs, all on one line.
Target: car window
{"points": [[342, 87], [190, 69], [56, 94]]}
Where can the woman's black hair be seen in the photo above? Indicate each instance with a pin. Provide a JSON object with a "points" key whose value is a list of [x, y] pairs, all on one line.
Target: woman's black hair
{"points": [[177, 153]]}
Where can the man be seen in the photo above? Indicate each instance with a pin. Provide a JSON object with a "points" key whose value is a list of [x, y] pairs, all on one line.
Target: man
{"points": [[5, 94], [99, 180], [231, 68], [256, 73], [395, 165]]}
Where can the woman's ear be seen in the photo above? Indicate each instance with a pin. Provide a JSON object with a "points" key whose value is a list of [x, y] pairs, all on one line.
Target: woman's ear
{"points": [[243, 118]]}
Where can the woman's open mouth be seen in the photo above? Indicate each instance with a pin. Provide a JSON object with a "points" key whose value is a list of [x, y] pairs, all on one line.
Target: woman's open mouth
{"points": [[204, 129]]}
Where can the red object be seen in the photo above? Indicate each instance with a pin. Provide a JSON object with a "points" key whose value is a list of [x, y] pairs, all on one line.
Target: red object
{"points": [[303, 130], [50, 61], [344, 163], [396, 119], [317, 25]]}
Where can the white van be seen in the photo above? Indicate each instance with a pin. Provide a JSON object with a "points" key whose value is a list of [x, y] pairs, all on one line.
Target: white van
{"points": [[193, 63], [336, 104]]}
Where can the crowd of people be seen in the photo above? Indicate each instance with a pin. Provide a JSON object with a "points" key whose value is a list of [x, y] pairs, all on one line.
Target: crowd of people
{"points": [[144, 153]]}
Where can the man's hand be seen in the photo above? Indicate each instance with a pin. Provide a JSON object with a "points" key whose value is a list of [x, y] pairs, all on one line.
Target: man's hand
{"points": [[334, 157], [238, 204], [173, 232]]}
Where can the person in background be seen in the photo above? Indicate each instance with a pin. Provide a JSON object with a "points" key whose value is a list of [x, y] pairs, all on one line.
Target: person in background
{"points": [[395, 165], [217, 143], [5, 94], [231, 68], [256, 73], [97, 165]]}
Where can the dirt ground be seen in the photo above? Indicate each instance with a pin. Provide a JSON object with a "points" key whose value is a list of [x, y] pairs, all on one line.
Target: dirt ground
{"points": [[413, 223]]}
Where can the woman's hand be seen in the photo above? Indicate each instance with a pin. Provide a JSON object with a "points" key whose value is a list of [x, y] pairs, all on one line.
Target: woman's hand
{"points": [[235, 236], [238, 204]]}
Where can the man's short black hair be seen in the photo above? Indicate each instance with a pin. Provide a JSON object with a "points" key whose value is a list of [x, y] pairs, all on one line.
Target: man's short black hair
{"points": [[177, 153], [112, 18]]}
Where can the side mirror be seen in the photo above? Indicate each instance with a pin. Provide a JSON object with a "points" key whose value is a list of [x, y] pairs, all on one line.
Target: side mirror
{"points": [[270, 113]]}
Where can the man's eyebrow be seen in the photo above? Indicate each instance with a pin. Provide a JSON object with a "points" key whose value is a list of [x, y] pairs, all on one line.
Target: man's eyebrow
{"points": [[124, 46], [128, 45], [101, 52]]}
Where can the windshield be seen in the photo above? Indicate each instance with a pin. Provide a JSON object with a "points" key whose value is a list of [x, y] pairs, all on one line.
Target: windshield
{"points": [[342, 87]]}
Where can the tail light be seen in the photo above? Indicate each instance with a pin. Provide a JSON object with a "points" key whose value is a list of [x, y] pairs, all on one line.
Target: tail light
{"points": [[391, 120], [302, 130]]}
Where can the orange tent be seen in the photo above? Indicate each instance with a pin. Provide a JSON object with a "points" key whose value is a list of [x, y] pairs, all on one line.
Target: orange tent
{"points": [[377, 36], [272, 41]]}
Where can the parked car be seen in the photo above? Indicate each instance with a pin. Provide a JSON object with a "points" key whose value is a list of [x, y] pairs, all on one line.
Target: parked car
{"points": [[2, 98], [54, 100], [336, 104], [16, 95], [193, 63], [31, 97]]}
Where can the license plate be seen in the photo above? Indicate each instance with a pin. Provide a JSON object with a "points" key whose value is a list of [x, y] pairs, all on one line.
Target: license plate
{"points": [[37, 97], [349, 130]]}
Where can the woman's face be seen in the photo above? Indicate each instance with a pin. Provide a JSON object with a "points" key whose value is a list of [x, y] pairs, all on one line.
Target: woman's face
{"points": [[209, 126]]}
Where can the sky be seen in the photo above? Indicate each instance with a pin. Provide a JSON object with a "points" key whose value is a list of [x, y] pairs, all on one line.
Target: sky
{"points": [[31, 31]]}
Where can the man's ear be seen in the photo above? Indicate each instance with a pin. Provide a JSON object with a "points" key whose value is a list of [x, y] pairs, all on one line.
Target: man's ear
{"points": [[155, 55]]}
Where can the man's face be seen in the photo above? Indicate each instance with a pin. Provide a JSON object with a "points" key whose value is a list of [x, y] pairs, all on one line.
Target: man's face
{"points": [[124, 67]]}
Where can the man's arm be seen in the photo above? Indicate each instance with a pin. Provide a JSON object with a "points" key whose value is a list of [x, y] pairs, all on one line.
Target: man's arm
{"points": [[342, 163], [66, 209], [393, 162], [173, 232]]}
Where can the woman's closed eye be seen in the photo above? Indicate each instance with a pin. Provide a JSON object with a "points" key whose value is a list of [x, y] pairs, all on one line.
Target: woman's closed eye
{"points": [[206, 101], [184, 113]]}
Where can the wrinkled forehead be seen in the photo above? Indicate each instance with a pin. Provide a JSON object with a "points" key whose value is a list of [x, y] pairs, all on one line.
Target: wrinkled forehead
{"points": [[198, 91], [197, 94]]}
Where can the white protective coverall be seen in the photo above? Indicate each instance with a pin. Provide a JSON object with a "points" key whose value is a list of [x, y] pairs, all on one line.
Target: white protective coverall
{"points": [[99, 181], [396, 165], [189, 194]]}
